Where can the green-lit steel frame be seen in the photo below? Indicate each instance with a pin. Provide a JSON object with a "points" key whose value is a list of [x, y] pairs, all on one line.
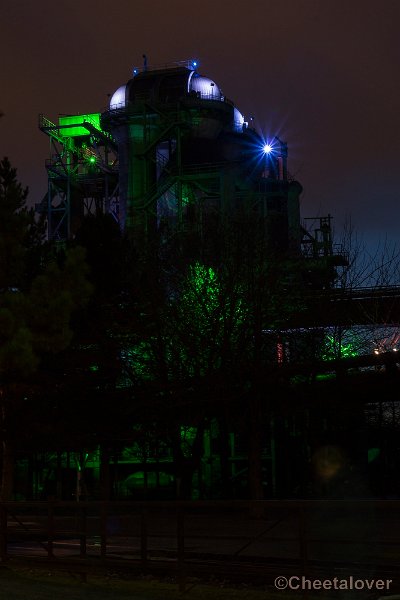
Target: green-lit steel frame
{"points": [[82, 173], [184, 185]]}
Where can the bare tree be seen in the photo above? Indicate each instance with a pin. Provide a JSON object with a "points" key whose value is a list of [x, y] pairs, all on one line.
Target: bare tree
{"points": [[370, 275]]}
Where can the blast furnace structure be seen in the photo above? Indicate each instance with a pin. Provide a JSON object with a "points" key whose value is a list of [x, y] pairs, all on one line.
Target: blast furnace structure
{"points": [[168, 153], [172, 154]]}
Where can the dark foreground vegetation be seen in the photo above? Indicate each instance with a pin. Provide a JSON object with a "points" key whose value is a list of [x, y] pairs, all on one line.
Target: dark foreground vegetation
{"points": [[180, 368], [22, 584]]}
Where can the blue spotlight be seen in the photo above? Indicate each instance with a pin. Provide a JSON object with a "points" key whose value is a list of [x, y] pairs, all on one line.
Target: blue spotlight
{"points": [[267, 148]]}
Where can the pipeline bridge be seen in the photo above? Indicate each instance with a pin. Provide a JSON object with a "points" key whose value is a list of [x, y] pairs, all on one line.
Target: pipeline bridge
{"points": [[378, 305]]}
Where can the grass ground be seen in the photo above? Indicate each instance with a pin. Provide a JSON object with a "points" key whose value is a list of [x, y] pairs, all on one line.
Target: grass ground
{"points": [[28, 584]]}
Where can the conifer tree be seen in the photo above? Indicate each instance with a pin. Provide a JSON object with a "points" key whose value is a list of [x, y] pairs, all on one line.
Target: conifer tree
{"points": [[37, 299]]}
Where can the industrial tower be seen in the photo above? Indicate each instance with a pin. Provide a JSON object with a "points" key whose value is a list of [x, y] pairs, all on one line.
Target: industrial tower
{"points": [[169, 153]]}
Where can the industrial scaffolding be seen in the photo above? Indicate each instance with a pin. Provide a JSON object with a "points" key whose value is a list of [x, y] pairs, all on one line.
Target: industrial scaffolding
{"points": [[82, 173]]}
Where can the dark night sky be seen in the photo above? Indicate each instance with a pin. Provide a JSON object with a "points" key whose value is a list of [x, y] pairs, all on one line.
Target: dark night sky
{"points": [[322, 74]]}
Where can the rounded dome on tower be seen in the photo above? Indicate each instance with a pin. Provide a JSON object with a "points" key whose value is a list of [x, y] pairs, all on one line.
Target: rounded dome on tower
{"points": [[206, 88], [118, 99], [238, 120], [165, 87]]}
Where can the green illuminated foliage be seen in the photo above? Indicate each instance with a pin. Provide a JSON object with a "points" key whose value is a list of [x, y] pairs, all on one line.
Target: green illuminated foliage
{"points": [[137, 363], [196, 335], [337, 348], [325, 376], [202, 290], [207, 320], [188, 437]]}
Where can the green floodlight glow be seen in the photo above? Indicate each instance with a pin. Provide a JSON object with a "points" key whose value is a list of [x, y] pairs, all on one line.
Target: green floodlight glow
{"points": [[72, 125]]}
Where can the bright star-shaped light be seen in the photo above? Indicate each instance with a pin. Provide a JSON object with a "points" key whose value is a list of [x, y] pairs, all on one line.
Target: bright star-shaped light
{"points": [[267, 148]]}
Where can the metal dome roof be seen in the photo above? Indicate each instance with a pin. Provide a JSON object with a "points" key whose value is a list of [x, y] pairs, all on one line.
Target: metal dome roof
{"points": [[168, 86], [165, 85], [205, 87], [118, 99]]}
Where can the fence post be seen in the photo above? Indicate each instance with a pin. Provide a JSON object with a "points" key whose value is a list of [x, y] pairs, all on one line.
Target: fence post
{"points": [[3, 533], [180, 534], [50, 529], [303, 538], [103, 529], [143, 537], [303, 550], [82, 532]]}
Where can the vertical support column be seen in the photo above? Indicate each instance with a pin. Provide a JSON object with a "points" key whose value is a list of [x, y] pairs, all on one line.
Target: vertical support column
{"points": [[49, 219], [179, 182], [68, 195]]}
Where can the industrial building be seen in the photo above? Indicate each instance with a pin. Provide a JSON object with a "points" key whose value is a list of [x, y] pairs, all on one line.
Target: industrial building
{"points": [[169, 153]]}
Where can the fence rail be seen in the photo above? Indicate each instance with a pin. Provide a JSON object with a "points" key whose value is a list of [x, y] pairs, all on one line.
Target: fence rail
{"points": [[240, 541]]}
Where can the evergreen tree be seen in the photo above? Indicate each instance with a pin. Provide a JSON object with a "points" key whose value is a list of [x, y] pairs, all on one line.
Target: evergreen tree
{"points": [[38, 295]]}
